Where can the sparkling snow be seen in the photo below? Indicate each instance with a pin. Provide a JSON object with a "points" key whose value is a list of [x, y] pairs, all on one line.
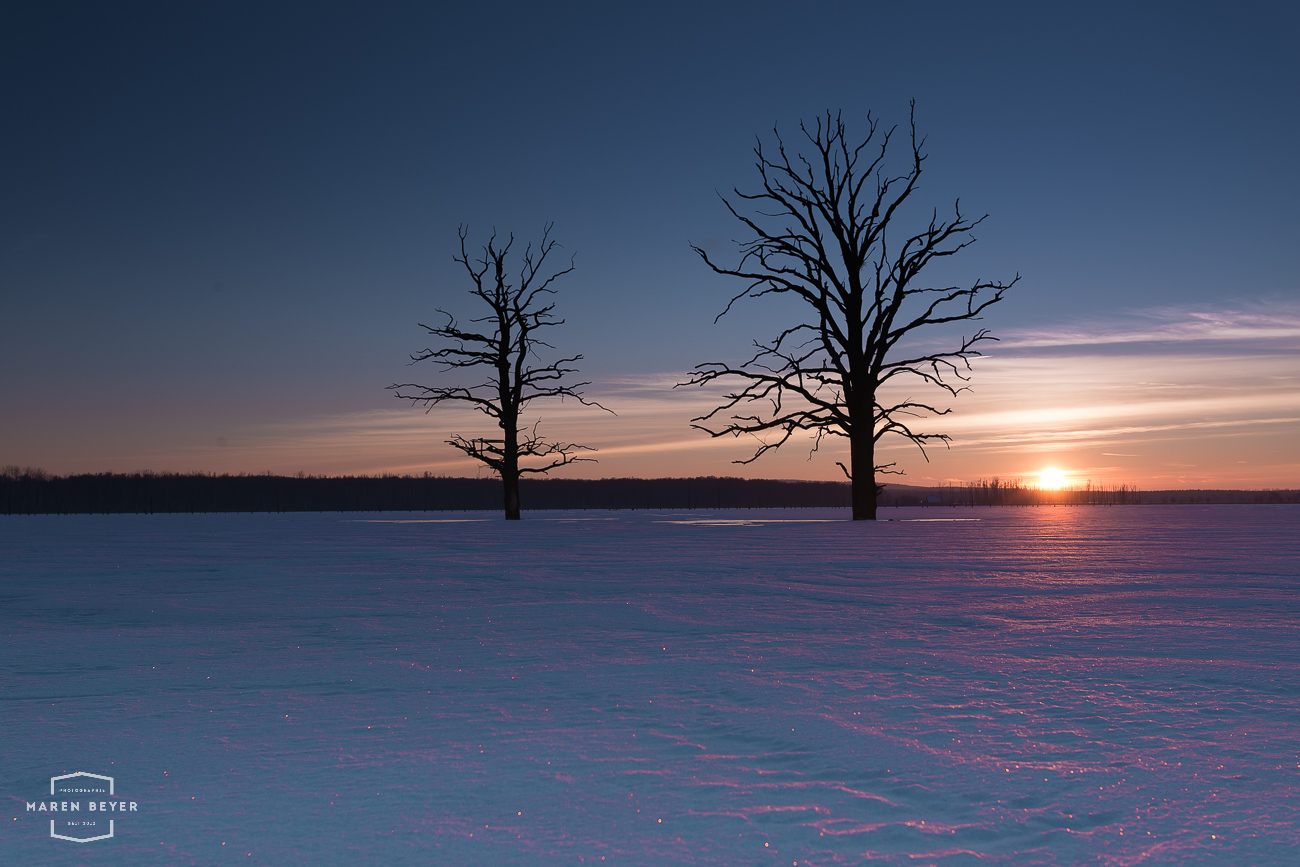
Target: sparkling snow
{"points": [[1092, 685]]}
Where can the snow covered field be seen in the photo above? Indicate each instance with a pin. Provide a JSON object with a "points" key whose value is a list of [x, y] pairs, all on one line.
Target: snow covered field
{"points": [[1021, 686]]}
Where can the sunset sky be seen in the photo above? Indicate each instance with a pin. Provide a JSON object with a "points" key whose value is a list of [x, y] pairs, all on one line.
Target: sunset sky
{"points": [[221, 223]]}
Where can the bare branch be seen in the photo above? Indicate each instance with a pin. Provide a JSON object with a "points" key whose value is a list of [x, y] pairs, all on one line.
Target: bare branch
{"points": [[819, 229], [504, 343]]}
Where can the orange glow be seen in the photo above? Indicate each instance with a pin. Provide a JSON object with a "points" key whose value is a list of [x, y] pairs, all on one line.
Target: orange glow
{"points": [[1052, 479], [1204, 415]]}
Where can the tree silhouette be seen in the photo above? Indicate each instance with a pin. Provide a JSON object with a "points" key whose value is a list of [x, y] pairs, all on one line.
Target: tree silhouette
{"points": [[820, 228], [505, 342]]}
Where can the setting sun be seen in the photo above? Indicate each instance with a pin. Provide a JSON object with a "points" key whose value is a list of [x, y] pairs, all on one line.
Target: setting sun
{"points": [[1051, 478]]}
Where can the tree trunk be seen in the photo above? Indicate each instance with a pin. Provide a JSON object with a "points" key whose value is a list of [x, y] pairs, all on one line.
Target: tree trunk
{"points": [[511, 482], [510, 472], [862, 465]]}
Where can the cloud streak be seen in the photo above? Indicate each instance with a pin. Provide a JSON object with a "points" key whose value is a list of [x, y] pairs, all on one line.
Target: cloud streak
{"points": [[1216, 389], [1155, 398], [1265, 321]]}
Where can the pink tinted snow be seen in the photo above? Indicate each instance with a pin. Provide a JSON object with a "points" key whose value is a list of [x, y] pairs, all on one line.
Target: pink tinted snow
{"points": [[1110, 685]]}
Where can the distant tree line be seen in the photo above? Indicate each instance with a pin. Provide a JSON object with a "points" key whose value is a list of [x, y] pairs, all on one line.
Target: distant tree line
{"points": [[1014, 492], [36, 492], [26, 491], [1222, 497]]}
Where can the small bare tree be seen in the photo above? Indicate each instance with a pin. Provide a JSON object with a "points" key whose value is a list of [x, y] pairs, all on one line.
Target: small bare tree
{"points": [[820, 227], [505, 344]]}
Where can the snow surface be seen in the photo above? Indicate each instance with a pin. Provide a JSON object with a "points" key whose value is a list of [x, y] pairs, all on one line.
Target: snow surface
{"points": [[1089, 685]]}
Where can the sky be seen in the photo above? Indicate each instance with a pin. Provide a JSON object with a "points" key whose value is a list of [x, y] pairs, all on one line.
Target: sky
{"points": [[220, 224]]}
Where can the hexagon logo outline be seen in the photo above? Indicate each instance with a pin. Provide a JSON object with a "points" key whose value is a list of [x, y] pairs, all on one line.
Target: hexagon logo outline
{"points": [[54, 780], [82, 839]]}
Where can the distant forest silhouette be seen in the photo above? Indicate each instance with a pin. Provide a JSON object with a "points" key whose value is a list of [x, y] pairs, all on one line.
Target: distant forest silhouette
{"points": [[33, 491]]}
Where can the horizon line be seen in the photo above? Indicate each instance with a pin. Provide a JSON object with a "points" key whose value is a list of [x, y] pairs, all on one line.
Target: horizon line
{"points": [[15, 473]]}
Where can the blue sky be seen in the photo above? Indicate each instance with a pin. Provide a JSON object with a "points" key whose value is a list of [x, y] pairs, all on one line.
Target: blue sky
{"points": [[220, 224]]}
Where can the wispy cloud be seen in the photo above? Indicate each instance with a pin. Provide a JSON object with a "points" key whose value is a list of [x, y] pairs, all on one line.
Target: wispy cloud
{"points": [[1121, 413], [1263, 321], [1163, 398], [1189, 387]]}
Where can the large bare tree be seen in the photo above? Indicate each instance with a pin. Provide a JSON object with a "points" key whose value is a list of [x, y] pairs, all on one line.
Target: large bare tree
{"points": [[823, 230], [504, 342]]}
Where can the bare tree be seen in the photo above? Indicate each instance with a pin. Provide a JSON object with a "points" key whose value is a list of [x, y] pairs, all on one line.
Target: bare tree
{"points": [[820, 228], [505, 343]]}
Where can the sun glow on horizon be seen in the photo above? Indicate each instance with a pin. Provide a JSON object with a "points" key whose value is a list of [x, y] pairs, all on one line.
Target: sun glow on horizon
{"points": [[1051, 479]]}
